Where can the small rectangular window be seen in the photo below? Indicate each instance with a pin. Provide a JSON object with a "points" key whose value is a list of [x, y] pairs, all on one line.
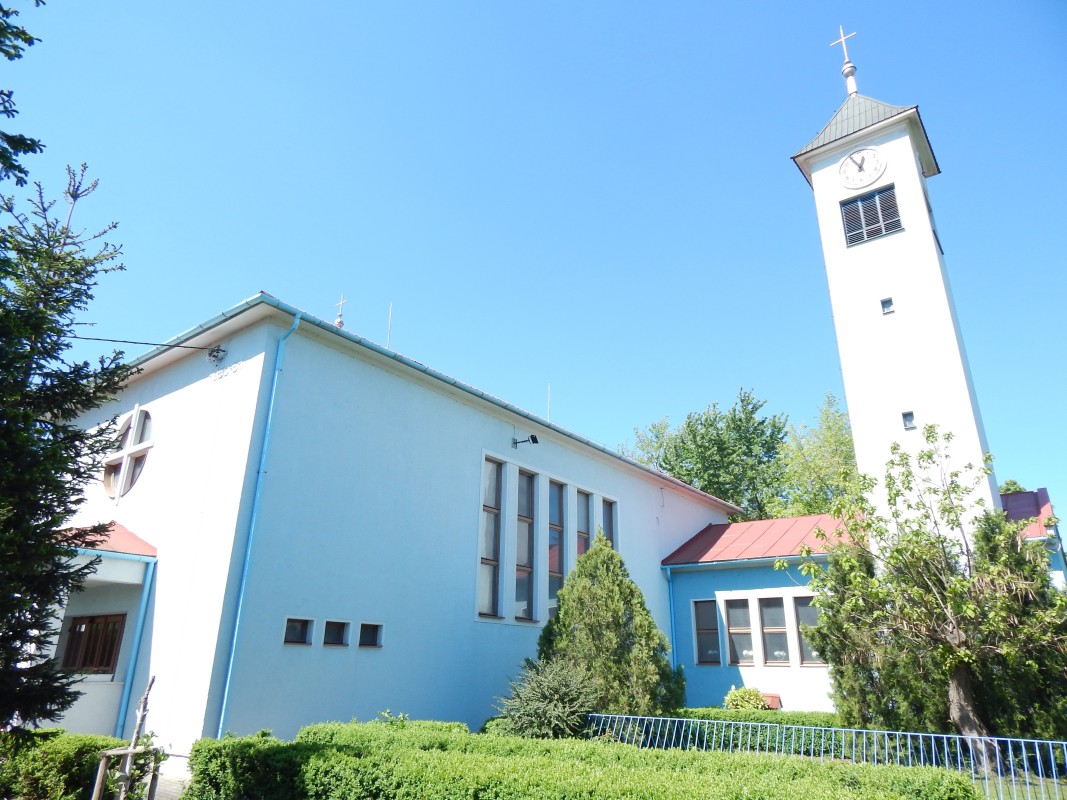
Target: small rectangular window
{"points": [[370, 635], [297, 631], [871, 215], [335, 633], [739, 630], [887, 305], [584, 507], [93, 644], [807, 617], [707, 627], [609, 521], [775, 639], [909, 420]]}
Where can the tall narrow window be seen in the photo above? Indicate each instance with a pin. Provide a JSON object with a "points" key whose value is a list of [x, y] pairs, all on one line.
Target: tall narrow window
{"points": [[807, 617], [556, 566], [775, 640], [871, 215], [489, 547], [739, 630], [524, 548], [93, 643], [908, 418], [707, 626], [584, 508], [609, 521]]}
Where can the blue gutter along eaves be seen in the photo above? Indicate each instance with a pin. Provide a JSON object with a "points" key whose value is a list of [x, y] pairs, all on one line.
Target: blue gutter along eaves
{"points": [[273, 302], [740, 562], [256, 498], [670, 599]]}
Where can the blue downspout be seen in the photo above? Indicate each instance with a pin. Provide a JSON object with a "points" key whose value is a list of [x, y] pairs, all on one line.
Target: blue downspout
{"points": [[256, 497], [670, 599], [142, 615]]}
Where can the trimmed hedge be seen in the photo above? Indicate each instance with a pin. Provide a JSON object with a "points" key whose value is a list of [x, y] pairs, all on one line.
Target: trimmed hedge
{"points": [[814, 719], [53, 765], [436, 761]]}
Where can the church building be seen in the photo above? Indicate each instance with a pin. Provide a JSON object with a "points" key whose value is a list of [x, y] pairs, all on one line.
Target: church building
{"points": [[309, 526]]}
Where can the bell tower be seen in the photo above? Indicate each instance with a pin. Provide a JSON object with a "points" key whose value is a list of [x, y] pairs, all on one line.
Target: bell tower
{"points": [[902, 356]]}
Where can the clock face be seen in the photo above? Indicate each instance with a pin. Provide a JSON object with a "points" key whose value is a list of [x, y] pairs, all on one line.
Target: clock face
{"points": [[861, 168]]}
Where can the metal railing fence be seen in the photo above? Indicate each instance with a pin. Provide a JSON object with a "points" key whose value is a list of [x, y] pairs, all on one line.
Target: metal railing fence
{"points": [[1005, 769]]}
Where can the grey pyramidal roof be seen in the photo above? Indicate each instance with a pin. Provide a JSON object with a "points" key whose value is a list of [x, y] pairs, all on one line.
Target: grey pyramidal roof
{"points": [[856, 113]]}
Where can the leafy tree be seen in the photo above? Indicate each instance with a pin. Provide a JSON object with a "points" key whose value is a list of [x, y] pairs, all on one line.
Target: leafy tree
{"points": [[1011, 486], [730, 454], [603, 627], [47, 275], [935, 617], [550, 700], [14, 39], [818, 464]]}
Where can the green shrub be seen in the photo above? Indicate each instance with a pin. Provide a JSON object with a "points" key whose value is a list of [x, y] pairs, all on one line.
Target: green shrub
{"points": [[53, 765], [439, 761], [808, 719], [745, 697], [550, 700]]}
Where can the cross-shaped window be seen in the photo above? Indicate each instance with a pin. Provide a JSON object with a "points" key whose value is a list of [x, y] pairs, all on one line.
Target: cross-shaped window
{"points": [[123, 467]]}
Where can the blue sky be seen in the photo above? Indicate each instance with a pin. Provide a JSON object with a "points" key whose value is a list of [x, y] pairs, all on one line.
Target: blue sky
{"points": [[596, 196]]}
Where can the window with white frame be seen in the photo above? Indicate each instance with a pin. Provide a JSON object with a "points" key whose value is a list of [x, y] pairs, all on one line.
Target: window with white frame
{"points": [[772, 623], [556, 565], [706, 617], [585, 508], [123, 467], [807, 617], [871, 215], [739, 631], [489, 547], [524, 548]]}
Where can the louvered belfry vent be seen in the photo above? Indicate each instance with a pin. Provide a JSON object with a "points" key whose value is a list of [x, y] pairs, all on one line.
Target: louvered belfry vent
{"points": [[871, 215]]}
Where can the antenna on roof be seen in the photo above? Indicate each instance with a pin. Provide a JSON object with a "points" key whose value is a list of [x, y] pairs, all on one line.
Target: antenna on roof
{"points": [[849, 69], [389, 329], [340, 321]]}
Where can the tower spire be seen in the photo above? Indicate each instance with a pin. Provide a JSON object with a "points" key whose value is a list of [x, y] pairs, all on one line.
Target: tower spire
{"points": [[848, 71]]}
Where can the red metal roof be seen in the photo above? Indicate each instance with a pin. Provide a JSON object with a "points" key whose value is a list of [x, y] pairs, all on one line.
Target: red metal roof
{"points": [[122, 540], [1026, 505], [765, 538]]}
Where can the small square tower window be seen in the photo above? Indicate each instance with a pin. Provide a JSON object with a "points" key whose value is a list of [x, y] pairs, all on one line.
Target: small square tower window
{"points": [[909, 420], [887, 305], [370, 635], [297, 631], [335, 633]]}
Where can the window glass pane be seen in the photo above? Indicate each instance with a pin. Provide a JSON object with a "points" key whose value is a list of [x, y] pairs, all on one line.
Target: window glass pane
{"points": [[490, 535], [583, 542], [708, 648], [776, 647], [555, 504], [583, 512], [773, 611], [555, 550], [296, 631], [737, 614], [487, 589], [526, 486], [609, 521], [136, 467], [807, 614], [334, 633], [705, 614], [146, 428], [491, 485], [555, 583], [370, 635], [523, 595], [740, 646], [524, 544]]}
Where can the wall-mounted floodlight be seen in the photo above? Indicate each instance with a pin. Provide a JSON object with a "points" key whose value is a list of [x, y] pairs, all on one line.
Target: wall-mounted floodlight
{"points": [[531, 439]]}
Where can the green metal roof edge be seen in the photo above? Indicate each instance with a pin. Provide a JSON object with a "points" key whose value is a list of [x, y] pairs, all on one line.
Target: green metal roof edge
{"points": [[882, 112]]}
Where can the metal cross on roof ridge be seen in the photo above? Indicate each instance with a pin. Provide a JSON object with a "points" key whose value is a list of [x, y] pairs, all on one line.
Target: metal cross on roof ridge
{"points": [[340, 321], [841, 41]]}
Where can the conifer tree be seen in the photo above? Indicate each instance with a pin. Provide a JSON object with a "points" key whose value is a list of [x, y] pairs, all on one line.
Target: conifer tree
{"points": [[47, 275], [604, 627]]}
